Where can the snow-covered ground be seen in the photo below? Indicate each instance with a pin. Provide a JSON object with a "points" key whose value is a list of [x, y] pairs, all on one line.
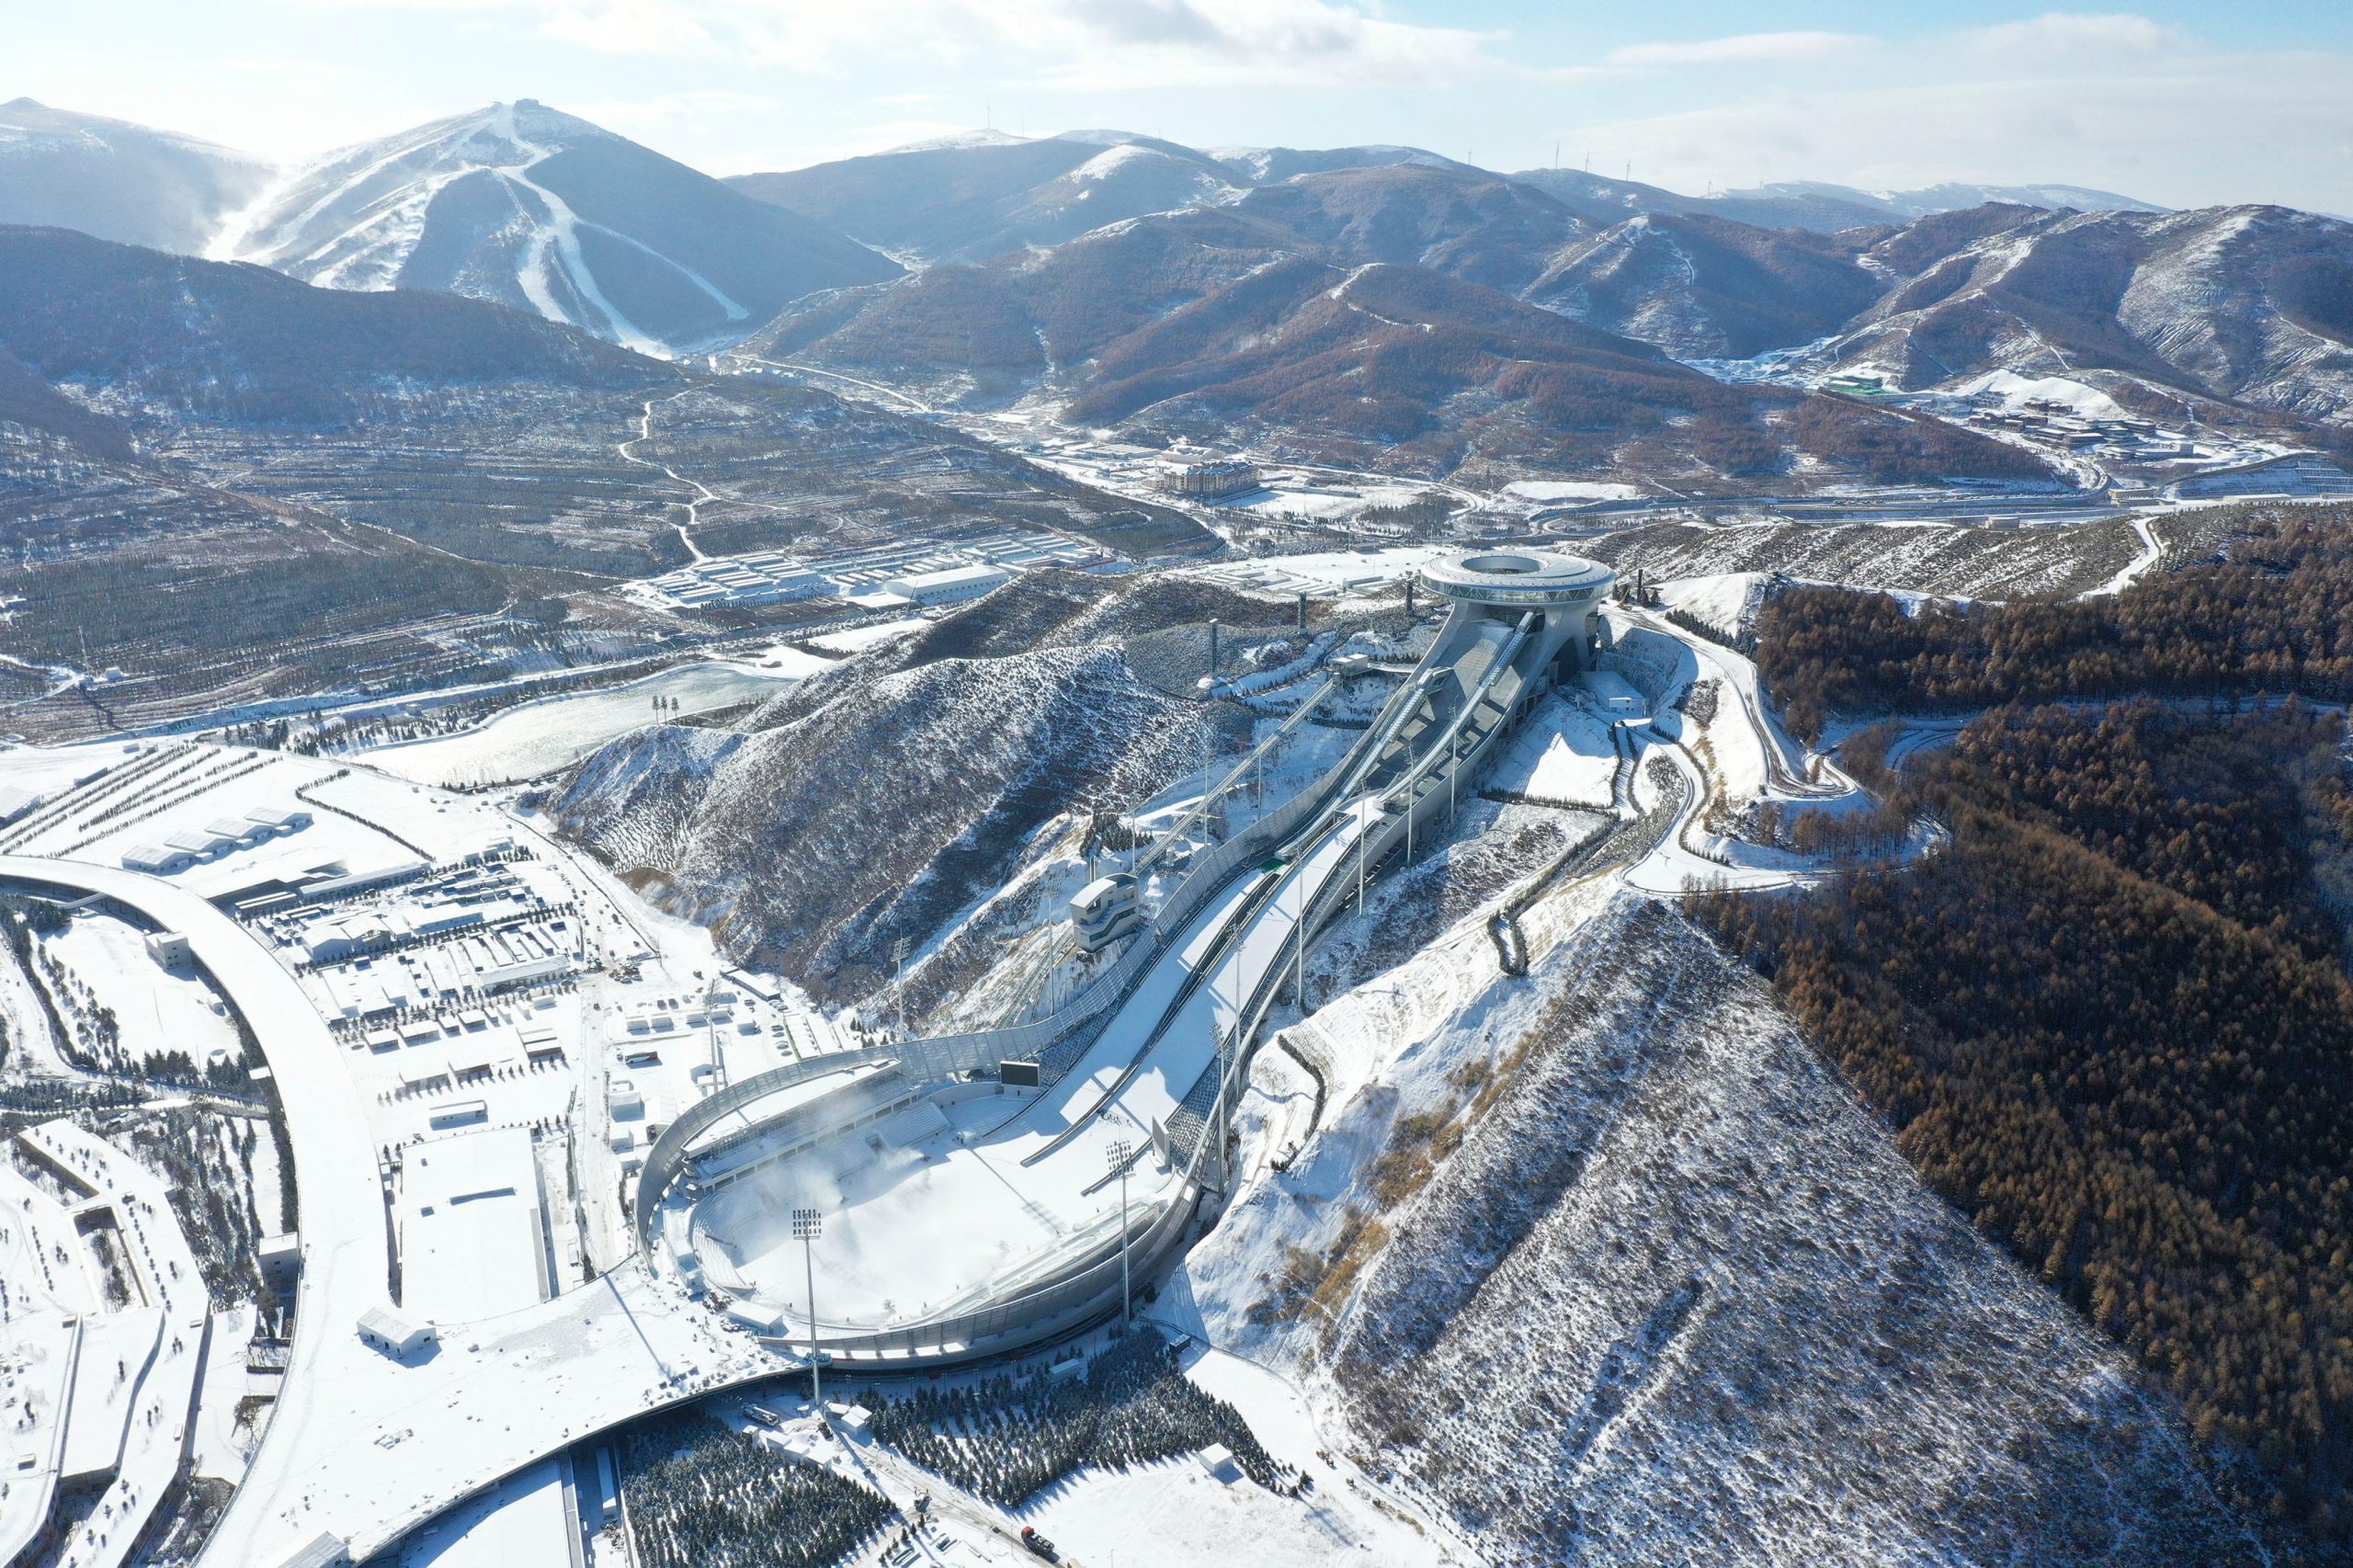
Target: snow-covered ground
{"points": [[1563, 753], [1323, 572], [860, 637], [1173, 1515], [1573, 489], [1726, 601], [2017, 391], [539, 738]]}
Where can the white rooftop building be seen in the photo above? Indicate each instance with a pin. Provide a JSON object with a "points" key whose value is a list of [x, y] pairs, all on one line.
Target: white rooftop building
{"points": [[158, 860], [201, 843], [389, 1331], [470, 1226], [16, 802], [948, 587]]}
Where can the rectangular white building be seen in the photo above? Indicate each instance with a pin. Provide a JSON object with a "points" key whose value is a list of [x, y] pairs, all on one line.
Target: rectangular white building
{"points": [[157, 860], [955, 584]]}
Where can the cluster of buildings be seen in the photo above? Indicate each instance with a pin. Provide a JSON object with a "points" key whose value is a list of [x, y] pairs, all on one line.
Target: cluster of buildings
{"points": [[2058, 425], [923, 573], [728, 581], [101, 1385], [763, 577], [438, 944], [451, 901], [1211, 479], [216, 839]]}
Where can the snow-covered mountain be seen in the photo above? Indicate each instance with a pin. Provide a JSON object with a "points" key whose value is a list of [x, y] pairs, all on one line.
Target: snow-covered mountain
{"points": [[116, 181], [969, 197], [1808, 204], [1705, 288], [2253, 304], [1269, 166], [536, 208]]}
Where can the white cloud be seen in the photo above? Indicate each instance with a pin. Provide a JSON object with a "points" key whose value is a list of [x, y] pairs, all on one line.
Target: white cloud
{"points": [[628, 27], [1066, 45], [1742, 48], [2038, 39]]}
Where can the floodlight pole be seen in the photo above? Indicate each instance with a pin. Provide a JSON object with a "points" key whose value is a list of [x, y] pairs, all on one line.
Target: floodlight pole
{"points": [[807, 1225], [899, 973], [1119, 1156], [1364, 831], [1298, 946], [711, 1028], [1221, 1077]]}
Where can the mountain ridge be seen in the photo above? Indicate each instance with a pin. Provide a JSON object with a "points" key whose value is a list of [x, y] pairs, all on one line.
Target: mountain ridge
{"points": [[540, 210]]}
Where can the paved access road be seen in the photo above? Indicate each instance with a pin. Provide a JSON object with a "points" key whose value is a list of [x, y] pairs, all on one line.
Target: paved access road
{"points": [[361, 1446]]}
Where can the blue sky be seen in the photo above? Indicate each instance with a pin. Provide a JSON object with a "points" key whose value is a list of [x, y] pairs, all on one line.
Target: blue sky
{"points": [[2178, 103]]}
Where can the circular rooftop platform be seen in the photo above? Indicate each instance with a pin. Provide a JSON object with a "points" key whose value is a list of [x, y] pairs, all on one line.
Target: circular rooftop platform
{"points": [[1515, 576]]}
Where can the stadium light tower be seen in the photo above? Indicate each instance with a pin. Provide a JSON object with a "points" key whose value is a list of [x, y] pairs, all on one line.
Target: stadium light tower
{"points": [[899, 974], [1118, 1154], [1364, 831], [808, 1224]]}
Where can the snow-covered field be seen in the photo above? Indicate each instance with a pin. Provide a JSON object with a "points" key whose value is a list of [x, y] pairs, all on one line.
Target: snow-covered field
{"points": [[2017, 391], [1172, 1515], [1323, 572], [1563, 753], [1727, 601], [543, 737], [860, 637], [1572, 489]]}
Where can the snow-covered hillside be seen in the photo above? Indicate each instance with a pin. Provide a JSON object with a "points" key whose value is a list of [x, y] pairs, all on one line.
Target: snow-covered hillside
{"points": [[1949, 560], [1605, 1265], [536, 208], [118, 181], [964, 759], [2247, 303], [915, 791]]}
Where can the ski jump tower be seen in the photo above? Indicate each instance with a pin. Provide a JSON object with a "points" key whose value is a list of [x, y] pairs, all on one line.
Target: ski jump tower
{"points": [[1502, 586]]}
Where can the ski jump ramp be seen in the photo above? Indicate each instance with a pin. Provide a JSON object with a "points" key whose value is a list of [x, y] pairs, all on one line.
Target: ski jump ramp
{"points": [[965, 1218]]}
